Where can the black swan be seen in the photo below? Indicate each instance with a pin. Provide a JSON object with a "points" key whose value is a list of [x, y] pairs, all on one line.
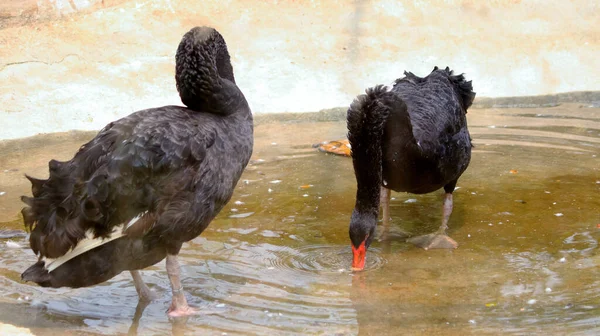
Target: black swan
{"points": [[146, 183], [413, 138]]}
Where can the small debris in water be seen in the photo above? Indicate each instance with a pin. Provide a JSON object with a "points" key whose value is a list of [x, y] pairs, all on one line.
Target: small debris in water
{"points": [[238, 202], [2, 193], [558, 214], [490, 224], [305, 195], [563, 259], [472, 322], [490, 304], [393, 198], [220, 305], [469, 235], [513, 171], [234, 210], [569, 305], [411, 200], [271, 268], [492, 126], [270, 190], [306, 186], [274, 143], [12, 244], [275, 181], [554, 203], [548, 290], [546, 191], [520, 201], [532, 301], [342, 270]]}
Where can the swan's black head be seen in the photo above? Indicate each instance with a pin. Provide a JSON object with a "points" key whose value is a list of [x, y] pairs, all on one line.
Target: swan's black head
{"points": [[362, 231], [202, 69], [213, 43]]}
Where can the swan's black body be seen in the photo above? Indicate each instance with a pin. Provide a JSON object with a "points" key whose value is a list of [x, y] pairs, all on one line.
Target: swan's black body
{"points": [[412, 137], [175, 166], [427, 145]]}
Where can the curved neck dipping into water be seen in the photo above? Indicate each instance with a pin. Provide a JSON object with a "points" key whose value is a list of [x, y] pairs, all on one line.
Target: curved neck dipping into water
{"points": [[366, 118]]}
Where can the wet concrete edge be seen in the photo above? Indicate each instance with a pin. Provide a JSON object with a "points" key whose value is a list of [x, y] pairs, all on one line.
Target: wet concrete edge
{"points": [[587, 99]]}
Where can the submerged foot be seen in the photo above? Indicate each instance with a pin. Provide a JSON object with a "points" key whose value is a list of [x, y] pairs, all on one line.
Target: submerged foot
{"points": [[390, 234], [434, 241], [181, 311]]}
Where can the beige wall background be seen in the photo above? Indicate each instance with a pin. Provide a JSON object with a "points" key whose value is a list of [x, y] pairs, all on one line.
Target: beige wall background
{"points": [[78, 64]]}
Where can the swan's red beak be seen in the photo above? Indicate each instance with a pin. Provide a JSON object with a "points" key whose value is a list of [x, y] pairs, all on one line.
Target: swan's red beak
{"points": [[358, 258]]}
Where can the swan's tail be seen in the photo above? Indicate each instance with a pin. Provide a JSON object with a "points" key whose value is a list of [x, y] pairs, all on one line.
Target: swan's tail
{"points": [[96, 265], [202, 64], [52, 214], [366, 119]]}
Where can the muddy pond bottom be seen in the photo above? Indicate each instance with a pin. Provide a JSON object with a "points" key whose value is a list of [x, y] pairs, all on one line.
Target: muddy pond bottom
{"points": [[276, 260]]}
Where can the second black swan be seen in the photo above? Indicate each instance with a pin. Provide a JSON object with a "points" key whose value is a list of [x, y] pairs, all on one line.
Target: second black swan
{"points": [[412, 138]]}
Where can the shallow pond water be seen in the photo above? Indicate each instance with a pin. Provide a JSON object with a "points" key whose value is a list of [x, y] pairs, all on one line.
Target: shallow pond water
{"points": [[275, 261]]}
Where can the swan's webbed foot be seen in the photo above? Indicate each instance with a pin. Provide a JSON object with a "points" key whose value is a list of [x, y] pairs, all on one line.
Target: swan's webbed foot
{"points": [[434, 241]]}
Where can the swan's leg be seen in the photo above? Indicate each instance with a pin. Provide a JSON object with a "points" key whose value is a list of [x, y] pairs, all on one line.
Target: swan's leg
{"points": [[439, 239], [387, 232], [385, 205], [384, 200], [141, 288], [179, 305]]}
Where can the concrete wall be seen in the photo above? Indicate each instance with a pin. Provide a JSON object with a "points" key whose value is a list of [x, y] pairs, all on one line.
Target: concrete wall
{"points": [[65, 71]]}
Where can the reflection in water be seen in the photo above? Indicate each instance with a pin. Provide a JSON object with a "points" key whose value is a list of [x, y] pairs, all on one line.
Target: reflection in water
{"points": [[276, 259]]}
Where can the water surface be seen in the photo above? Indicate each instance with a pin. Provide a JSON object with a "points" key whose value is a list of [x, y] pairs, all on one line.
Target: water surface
{"points": [[275, 261]]}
